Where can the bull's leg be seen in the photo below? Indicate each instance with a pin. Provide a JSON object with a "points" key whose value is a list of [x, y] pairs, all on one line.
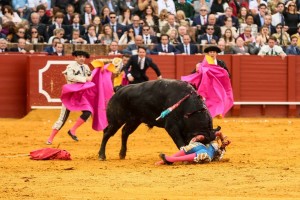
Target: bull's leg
{"points": [[109, 131], [129, 128], [174, 131]]}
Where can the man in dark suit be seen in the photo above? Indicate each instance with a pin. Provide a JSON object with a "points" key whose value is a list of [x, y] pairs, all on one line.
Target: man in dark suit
{"points": [[268, 23], [3, 45], [41, 28], [259, 18], [96, 6], [51, 49], [209, 37], [136, 25], [148, 39], [41, 10], [114, 49], [21, 46], [70, 10], [212, 20], [137, 66], [164, 48], [59, 49], [59, 17], [87, 17], [202, 18], [186, 47], [75, 26], [132, 49], [293, 49], [91, 36], [116, 27], [228, 13]]}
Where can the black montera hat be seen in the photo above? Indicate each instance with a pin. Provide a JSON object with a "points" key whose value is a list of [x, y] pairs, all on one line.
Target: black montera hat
{"points": [[212, 48], [81, 53]]}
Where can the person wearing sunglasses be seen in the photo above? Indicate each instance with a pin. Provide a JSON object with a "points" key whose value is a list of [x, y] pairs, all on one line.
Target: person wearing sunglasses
{"points": [[34, 36], [115, 26], [148, 38], [208, 37], [20, 33]]}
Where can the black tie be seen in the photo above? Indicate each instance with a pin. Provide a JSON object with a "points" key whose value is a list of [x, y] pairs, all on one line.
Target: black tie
{"points": [[166, 50], [82, 68], [113, 28], [272, 52], [146, 40], [186, 49]]}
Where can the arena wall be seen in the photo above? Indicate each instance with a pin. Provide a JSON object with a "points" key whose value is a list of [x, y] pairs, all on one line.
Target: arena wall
{"points": [[267, 86]]}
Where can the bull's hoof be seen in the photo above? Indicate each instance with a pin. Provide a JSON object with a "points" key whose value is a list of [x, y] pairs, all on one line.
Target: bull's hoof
{"points": [[102, 158], [122, 157]]}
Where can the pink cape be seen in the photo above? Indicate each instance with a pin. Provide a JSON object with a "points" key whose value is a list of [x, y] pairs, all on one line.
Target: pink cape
{"points": [[92, 96], [213, 83]]}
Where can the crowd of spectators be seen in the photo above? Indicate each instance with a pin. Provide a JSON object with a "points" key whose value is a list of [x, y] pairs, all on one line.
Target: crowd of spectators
{"points": [[173, 27]]}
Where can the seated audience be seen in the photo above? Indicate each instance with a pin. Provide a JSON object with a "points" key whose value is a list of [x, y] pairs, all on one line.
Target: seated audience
{"points": [[293, 49], [272, 49]]}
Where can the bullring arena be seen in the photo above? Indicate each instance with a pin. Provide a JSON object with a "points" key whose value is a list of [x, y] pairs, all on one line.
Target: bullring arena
{"points": [[262, 162]]}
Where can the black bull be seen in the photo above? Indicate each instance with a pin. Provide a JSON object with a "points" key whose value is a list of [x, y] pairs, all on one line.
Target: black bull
{"points": [[142, 103]]}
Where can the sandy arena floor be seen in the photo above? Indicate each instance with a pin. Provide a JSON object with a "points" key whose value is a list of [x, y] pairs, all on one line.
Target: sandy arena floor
{"points": [[264, 163]]}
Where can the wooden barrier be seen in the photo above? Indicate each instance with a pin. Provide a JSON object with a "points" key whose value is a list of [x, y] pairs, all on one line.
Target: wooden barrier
{"points": [[266, 86]]}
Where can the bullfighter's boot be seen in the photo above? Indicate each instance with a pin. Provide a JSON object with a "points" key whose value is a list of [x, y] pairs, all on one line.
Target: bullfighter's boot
{"points": [[72, 131], [53, 134]]}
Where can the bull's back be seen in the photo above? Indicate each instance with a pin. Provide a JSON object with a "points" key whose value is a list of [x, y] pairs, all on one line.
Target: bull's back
{"points": [[146, 100]]}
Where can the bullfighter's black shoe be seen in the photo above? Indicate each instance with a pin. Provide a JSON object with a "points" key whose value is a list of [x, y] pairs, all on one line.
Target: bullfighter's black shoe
{"points": [[74, 137], [163, 157]]}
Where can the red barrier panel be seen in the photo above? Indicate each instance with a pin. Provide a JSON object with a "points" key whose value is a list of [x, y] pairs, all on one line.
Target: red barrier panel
{"points": [[267, 86], [13, 85]]}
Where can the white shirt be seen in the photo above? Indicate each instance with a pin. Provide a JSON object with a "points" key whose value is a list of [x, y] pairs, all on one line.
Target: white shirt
{"points": [[266, 50], [141, 62], [169, 5], [87, 17]]}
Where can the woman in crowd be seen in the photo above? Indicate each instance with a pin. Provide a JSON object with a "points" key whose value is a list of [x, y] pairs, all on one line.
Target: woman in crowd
{"points": [[173, 36], [228, 25], [58, 33], [181, 19], [107, 35], [97, 24], [34, 36], [291, 17], [283, 38], [228, 38], [163, 16], [104, 15], [151, 19], [20, 33], [127, 37], [10, 15], [242, 15], [125, 19], [265, 34], [249, 22]]}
